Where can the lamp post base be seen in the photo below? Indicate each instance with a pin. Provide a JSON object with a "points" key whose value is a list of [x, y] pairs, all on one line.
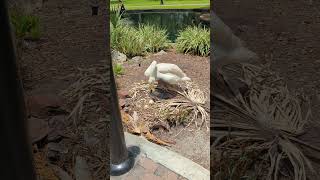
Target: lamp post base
{"points": [[124, 167]]}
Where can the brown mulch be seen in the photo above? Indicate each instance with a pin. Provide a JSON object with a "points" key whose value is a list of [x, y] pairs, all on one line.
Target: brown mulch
{"points": [[71, 38]]}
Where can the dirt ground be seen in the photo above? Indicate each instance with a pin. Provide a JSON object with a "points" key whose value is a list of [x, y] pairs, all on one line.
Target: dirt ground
{"points": [[193, 145], [284, 32]]}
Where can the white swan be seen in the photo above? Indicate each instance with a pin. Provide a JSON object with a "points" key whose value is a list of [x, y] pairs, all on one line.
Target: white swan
{"points": [[169, 73]]}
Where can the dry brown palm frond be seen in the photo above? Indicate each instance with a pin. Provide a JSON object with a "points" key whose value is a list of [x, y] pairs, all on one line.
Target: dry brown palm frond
{"points": [[266, 118], [85, 92], [190, 108]]}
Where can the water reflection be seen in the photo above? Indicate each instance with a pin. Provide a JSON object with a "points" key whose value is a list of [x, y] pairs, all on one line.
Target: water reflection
{"points": [[173, 22]]}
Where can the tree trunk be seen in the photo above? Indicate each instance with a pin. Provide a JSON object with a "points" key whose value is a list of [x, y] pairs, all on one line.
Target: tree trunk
{"points": [[161, 2]]}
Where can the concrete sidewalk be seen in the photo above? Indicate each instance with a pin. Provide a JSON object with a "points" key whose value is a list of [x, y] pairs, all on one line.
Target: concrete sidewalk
{"points": [[157, 162]]}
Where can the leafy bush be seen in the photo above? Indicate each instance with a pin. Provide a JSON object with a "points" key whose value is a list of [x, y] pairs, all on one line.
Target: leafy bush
{"points": [[135, 41], [25, 26], [118, 69], [154, 38], [126, 40], [194, 40]]}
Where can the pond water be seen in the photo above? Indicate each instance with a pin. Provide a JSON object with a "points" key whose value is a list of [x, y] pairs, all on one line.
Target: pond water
{"points": [[172, 21]]}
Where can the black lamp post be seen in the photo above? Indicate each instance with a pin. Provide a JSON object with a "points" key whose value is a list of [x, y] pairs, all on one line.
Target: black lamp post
{"points": [[17, 155], [122, 160]]}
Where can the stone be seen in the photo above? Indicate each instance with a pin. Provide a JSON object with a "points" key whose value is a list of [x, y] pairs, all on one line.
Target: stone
{"points": [[57, 148], [39, 105], [55, 135], [38, 129], [53, 156], [57, 122], [205, 17], [118, 57], [57, 128], [137, 58], [81, 169], [162, 52]]}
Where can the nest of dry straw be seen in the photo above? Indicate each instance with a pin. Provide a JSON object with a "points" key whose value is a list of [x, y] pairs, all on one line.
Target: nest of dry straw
{"points": [[256, 114]]}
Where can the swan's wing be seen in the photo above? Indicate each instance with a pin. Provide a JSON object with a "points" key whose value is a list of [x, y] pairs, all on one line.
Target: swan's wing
{"points": [[150, 69], [168, 78], [170, 68]]}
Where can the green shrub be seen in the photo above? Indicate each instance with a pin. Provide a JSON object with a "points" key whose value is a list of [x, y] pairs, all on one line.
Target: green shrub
{"points": [[137, 41], [126, 39], [154, 38], [194, 40], [25, 26], [118, 69]]}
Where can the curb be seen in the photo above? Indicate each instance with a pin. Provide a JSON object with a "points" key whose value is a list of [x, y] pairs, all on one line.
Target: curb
{"points": [[171, 160]]}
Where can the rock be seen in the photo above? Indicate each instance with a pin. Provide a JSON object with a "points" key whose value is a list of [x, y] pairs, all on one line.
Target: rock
{"points": [[118, 57], [55, 135], [151, 101], [62, 175], [57, 126], [205, 17], [39, 105], [162, 52], [57, 148], [123, 94], [81, 169], [38, 129], [137, 58], [58, 122], [53, 156]]}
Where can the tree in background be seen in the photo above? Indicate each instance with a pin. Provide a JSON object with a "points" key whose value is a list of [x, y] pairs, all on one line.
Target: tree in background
{"points": [[161, 2]]}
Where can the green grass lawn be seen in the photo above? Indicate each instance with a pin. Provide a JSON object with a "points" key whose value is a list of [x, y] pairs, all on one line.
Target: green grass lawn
{"points": [[168, 4]]}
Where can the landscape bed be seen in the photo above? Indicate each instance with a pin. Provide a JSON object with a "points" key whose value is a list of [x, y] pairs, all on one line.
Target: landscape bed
{"points": [[153, 37]]}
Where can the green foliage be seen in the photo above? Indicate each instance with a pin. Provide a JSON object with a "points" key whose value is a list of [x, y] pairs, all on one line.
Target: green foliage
{"points": [[135, 41], [118, 69], [154, 38], [25, 26], [194, 40], [126, 39], [115, 17]]}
